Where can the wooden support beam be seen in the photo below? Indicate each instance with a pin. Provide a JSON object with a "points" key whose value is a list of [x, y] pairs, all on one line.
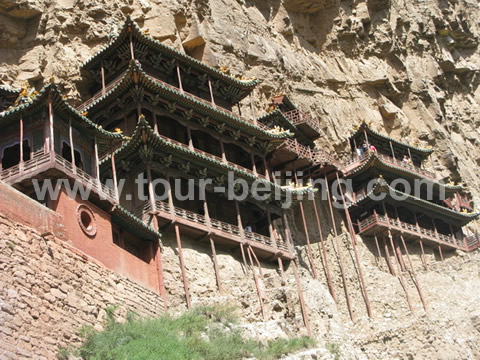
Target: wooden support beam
{"points": [[155, 123], [132, 55], [190, 140], [212, 99], [424, 260], [271, 229], [97, 162], [72, 149], [257, 285], [400, 276], [252, 108], [399, 255], [387, 256], [354, 245], [256, 261], [323, 252], [254, 166], [215, 264], [50, 125], [414, 275], [244, 258], [280, 267], [151, 190], [379, 253], [366, 139], [338, 246], [102, 71], [267, 172], [179, 76], [182, 265], [161, 284], [440, 252], [114, 175], [20, 161], [222, 149], [288, 232], [302, 300], [391, 148]]}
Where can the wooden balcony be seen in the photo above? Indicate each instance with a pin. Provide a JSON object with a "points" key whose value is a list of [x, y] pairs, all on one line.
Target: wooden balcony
{"points": [[379, 224], [199, 226], [352, 164], [48, 164], [305, 123]]}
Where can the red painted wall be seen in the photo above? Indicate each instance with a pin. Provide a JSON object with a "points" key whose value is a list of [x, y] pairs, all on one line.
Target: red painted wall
{"points": [[101, 245]]}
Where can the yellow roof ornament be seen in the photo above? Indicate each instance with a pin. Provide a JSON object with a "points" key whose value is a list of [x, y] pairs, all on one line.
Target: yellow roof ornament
{"points": [[118, 131]]}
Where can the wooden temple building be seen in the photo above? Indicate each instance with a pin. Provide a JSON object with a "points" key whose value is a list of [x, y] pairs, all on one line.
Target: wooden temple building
{"points": [[158, 114], [428, 212]]}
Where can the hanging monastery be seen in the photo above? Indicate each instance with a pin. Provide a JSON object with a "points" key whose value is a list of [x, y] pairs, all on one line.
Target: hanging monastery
{"points": [[179, 120]]}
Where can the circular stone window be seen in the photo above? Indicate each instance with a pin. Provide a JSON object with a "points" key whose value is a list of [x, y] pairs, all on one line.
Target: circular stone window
{"points": [[86, 219]]}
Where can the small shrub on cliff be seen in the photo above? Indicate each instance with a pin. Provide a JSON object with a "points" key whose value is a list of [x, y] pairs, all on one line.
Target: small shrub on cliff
{"points": [[202, 333]]}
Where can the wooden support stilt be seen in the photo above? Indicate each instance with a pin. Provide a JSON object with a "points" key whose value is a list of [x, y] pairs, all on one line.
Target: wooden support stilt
{"points": [[355, 252], [256, 261], [400, 276], [114, 175], [151, 190], [211, 91], [354, 245], [391, 148], [387, 256], [280, 267], [179, 77], [379, 253], [254, 167], [307, 237], [50, 126], [215, 264], [182, 265], [132, 55], [97, 162], [302, 300], [102, 71], [424, 259], [20, 161], [399, 256], [340, 258], [440, 252], [244, 258], [70, 139], [414, 274], [161, 285], [324, 252], [259, 290], [190, 140], [267, 173]]}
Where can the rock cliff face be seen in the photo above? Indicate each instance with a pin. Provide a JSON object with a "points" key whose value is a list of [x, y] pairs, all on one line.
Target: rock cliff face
{"points": [[410, 67]]}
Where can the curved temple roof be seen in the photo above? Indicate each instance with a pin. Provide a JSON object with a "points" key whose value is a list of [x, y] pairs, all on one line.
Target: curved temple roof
{"points": [[155, 140], [135, 69], [381, 186], [374, 160], [140, 36], [423, 153]]}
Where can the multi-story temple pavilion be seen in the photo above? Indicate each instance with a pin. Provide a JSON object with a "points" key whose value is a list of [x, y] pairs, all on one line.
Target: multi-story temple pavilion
{"points": [[406, 201]]}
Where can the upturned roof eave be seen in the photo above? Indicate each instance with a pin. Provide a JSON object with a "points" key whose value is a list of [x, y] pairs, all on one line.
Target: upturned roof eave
{"points": [[184, 58]]}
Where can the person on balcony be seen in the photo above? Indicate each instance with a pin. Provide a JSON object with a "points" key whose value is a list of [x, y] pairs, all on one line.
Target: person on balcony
{"points": [[405, 160], [373, 148], [248, 228], [359, 151]]}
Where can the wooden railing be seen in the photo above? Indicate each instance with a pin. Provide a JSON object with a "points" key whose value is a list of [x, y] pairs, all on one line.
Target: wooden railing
{"points": [[314, 155], [353, 163], [40, 158], [144, 209], [298, 116], [100, 93], [467, 244]]}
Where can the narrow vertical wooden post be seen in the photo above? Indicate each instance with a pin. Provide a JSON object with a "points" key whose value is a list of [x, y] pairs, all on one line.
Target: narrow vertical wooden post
{"points": [[239, 220], [252, 108], [391, 148], [302, 300], [414, 274], [222, 149], [288, 232], [440, 252], [366, 139], [387, 255], [182, 265], [50, 123], [254, 167], [257, 285], [354, 245], [323, 252], [215, 264], [114, 175], [161, 284], [256, 260], [410, 155], [132, 55], [102, 70], [340, 258], [280, 267], [20, 161], [271, 229], [151, 190], [72, 149], [399, 255], [425, 264], [97, 162], [400, 276], [171, 205], [378, 252], [190, 140], [307, 237], [211, 91], [267, 172], [155, 123], [179, 76]]}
